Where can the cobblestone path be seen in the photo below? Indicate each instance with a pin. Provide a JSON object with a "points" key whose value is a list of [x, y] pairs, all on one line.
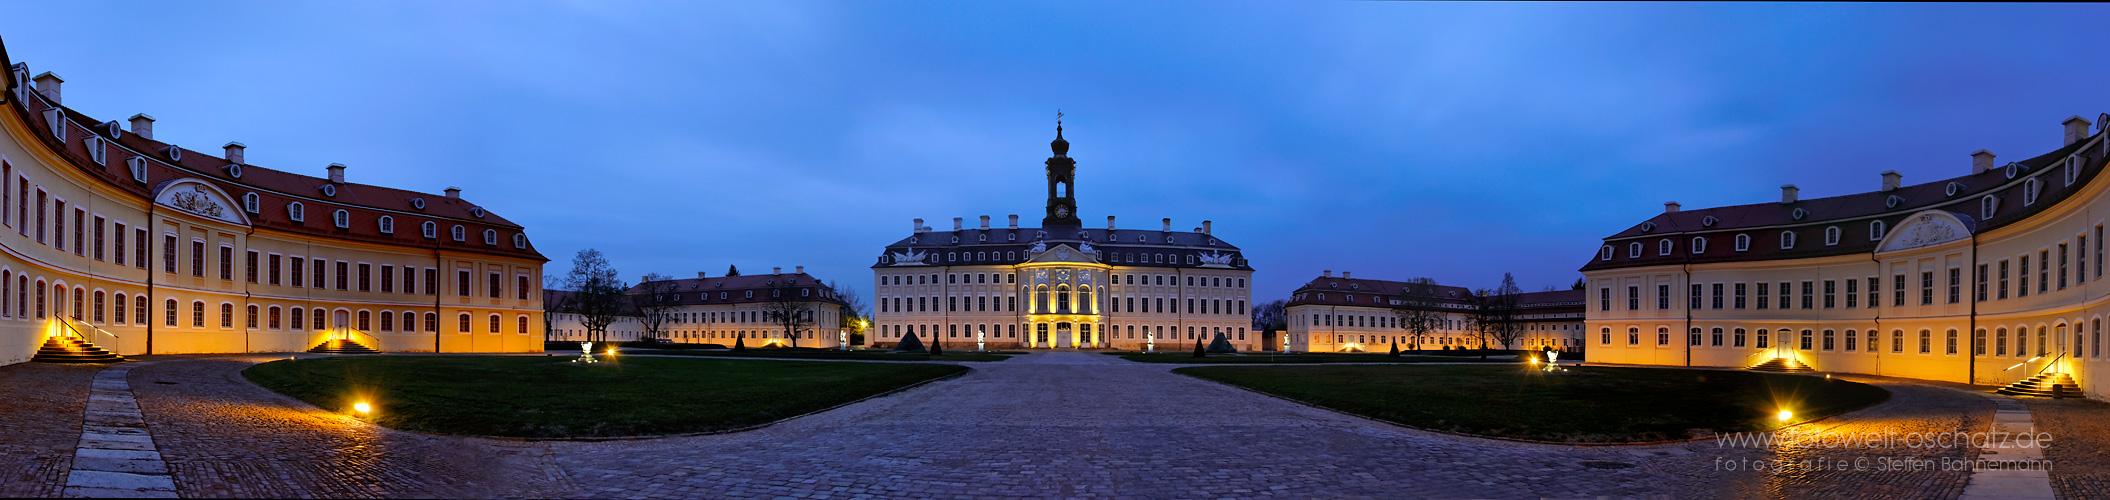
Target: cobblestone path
{"points": [[40, 424]]}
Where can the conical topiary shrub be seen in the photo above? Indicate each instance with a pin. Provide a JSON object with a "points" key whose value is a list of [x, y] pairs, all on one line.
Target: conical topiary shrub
{"points": [[1395, 350], [909, 344], [740, 344], [937, 348], [1198, 348], [1222, 345]]}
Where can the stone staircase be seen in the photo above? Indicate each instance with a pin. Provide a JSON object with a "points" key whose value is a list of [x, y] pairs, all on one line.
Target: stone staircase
{"points": [[2042, 385], [342, 346], [1780, 365], [73, 350]]}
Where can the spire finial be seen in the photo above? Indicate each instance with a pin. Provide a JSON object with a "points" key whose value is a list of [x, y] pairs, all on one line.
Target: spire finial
{"points": [[1061, 147]]}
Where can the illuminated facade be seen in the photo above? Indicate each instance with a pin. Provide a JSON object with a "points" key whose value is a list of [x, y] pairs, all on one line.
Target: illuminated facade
{"points": [[719, 310], [144, 247], [1345, 314], [1062, 285], [1987, 278]]}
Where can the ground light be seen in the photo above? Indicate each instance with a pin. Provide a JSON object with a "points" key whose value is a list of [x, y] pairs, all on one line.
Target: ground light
{"points": [[1785, 415], [362, 408]]}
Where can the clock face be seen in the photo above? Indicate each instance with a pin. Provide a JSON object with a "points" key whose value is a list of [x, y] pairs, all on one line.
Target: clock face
{"points": [[1062, 211]]}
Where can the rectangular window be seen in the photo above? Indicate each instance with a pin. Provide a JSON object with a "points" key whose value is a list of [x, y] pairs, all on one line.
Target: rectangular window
{"points": [[227, 263], [1955, 285], [1763, 294], [100, 239], [1604, 299], [277, 268], [299, 268], [141, 248], [344, 275], [1874, 292], [461, 282], [410, 280], [1663, 297], [1853, 293], [366, 277], [1715, 299], [2080, 263], [197, 258], [249, 266], [2043, 271], [1897, 294], [2098, 251], [494, 280], [80, 235], [322, 273], [58, 223], [2003, 280], [1787, 292], [43, 199], [1926, 288], [168, 253], [1831, 294], [1740, 295], [117, 255], [432, 281], [388, 278], [1809, 295], [1984, 275], [1692, 298], [520, 288]]}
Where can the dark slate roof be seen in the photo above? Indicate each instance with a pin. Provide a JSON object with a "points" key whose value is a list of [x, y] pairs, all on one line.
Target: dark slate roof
{"points": [[733, 287], [1369, 292], [1107, 242], [1853, 214]]}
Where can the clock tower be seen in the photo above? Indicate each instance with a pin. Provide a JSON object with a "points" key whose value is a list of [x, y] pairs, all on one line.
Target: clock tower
{"points": [[1062, 182]]}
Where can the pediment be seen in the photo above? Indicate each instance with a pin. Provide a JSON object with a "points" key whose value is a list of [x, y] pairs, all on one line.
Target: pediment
{"points": [[1925, 229], [1063, 252], [198, 198]]}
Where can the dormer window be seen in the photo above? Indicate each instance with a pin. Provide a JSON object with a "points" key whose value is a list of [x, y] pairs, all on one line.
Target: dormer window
{"points": [[1787, 240], [1831, 235], [1875, 230], [234, 170], [329, 190], [343, 219], [56, 119], [138, 165], [1893, 201], [981, 238], [520, 241], [1663, 247], [1633, 250], [1954, 187], [297, 212], [2073, 170], [388, 224], [1798, 214], [112, 129], [97, 152], [2013, 169], [477, 211], [1743, 242], [174, 153], [1708, 221], [1011, 237], [1648, 226], [2030, 188], [1987, 205], [249, 202], [491, 237], [459, 233], [1699, 244], [417, 203], [429, 229], [1604, 253]]}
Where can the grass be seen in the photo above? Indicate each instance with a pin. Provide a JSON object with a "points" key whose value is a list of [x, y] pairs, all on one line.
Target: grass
{"points": [[838, 355], [1582, 405], [1321, 357], [549, 397]]}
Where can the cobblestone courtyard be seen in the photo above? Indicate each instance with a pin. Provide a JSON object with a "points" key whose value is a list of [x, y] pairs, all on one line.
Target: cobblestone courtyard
{"points": [[1070, 425]]}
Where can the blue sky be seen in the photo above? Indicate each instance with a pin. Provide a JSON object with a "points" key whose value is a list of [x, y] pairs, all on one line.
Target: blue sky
{"points": [[1451, 140]]}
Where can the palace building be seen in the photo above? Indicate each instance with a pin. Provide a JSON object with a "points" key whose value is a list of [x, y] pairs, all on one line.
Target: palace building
{"points": [[1062, 285], [1345, 314], [720, 310], [113, 239], [1995, 277]]}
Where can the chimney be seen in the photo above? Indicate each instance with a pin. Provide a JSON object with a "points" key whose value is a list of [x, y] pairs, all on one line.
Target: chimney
{"points": [[1206, 227], [776, 270], [956, 223], [1168, 224], [1981, 161], [985, 222], [234, 152], [699, 274], [799, 270], [1014, 221], [1109, 223], [48, 84], [1344, 275], [1327, 273], [143, 126], [337, 173], [1788, 193], [1892, 179], [1670, 206], [454, 192], [2076, 127]]}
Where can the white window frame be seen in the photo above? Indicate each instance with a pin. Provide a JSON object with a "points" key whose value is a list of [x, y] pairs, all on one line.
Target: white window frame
{"points": [[459, 233], [250, 202], [1876, 230], [1743, 242], [1987, 206], [1664, 247], [430, 229], [387, 224], [1699, 244], [491, 237], [341, 218], [1831, 235], [297, 212], [1633, 250], [1787, 240]]}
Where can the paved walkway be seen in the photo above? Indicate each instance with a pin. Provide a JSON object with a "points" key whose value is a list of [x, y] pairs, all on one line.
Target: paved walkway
{"points": [[1051, 424], [116, 457]]}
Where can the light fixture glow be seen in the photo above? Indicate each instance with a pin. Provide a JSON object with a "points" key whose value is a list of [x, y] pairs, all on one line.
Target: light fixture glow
{"points": [[1785, 415], [361, 407]]}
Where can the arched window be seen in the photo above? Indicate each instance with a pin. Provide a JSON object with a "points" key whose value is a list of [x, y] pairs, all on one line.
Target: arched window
{"points": [[277, 317], [297, 212], [1699, 244], [249, 202], [1604, 253], [250, 319], [1663, 247], [2030, 188], [1926, 341], [1633, 250], [520, 241], [521, 324], [1875, 231], [1040, 300], [1743, 242], [1787, 240], [342, 218], [462, 323], [1831, 235], [490, 236], [1062, 299], [1987, 205], [388, 224], [429, 229], [493, 324], [460, 233]]}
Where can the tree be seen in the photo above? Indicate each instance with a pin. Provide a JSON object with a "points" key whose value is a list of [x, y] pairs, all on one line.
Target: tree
{"points": [[1419, 308], [1506, 327], [789, 306], [855, 315], [597, 293], [1578, 285], [1480, 317], [1271, 319], [554, 302], [731, 271], [656, 297]]}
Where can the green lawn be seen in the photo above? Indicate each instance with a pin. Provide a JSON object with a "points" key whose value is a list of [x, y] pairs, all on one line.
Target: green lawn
{"points": [[831, 354], [549, 397], [1592, 404], [1320, 357]]}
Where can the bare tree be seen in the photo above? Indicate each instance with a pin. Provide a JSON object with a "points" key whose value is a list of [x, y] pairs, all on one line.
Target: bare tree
{"points": [[656, 297], [790, 307], [1271, 319], [1419, 308], [555, 301], [854, 316], [596, 293], [1503, 311], [1481, 317]]}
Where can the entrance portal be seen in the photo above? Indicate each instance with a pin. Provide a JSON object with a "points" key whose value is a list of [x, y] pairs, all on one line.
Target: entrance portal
{"points": [[1064, 336]]}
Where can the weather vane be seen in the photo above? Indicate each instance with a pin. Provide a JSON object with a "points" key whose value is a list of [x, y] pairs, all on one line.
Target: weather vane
{"points": [[1058, 117]]}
